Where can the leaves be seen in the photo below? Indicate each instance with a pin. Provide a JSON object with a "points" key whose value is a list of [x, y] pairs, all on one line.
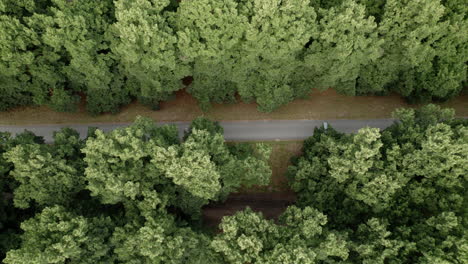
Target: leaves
{"points": [[145, 45], [402, 189], [57, 236], [58, 52], [345, 41], [248, 238], [47, 175]]}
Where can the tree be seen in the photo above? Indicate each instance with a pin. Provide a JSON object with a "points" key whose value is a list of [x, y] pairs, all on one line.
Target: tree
{"points": [[15, 52], [391, 190], [424, 56], [190, 166], [210, 34], [11, 217], [345, 41], [276, 35], [299, 238], [118, 167], [147, 165], [47, 175], [145, 46], [78, 31], [158, 239], [445, 78], [58, 236], [61, 48]]}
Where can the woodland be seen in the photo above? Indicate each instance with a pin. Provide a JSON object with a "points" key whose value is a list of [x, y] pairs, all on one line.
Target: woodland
{"points": [[109, 53], [135, 195]]}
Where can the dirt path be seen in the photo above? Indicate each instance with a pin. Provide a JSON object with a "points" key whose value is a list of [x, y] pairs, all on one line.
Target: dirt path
{"points": [[271, 205], [320, 105]]}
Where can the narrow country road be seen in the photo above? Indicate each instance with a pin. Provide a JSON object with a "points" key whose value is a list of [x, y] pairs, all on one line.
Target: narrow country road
{"points": [[255, 130]]}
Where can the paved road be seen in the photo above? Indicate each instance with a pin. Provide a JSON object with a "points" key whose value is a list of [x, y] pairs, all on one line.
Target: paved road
{"points": [[233, 131]]}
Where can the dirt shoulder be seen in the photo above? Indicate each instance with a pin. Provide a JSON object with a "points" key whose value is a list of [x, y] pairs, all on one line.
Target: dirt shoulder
{"points": [[320, 105]]}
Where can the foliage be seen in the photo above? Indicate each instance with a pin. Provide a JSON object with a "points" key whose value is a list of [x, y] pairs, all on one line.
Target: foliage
{"points": [[10, 217], [58, 236], [134, 195], [146, 48], [63, 49], [270, 55], [210, 34], [300, 237], [143, 162], [126, 196], [345, 41], [108, 53], [159, 240], [424, 55], [47, 174], [394, 188]]}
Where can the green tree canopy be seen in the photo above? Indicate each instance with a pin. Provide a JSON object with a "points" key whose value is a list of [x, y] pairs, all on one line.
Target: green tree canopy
{"points": [[147, 162], [133, 195], [146, 47], [344, 42], [300, 237], [393, 189], [210, 34], [48, 174], [276, 35], [58, 236]]}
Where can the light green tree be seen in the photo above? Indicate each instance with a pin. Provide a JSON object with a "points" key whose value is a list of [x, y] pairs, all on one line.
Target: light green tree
{"points": [[399, 193], [144, 161], [47, 174], [300, 237], [210, 34], [344, 42], [275, 37], [157, 239], [58, 236], [145, 46]]}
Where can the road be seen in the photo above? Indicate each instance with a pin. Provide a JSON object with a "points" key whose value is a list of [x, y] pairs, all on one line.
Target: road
{"points": [[255, 130]]}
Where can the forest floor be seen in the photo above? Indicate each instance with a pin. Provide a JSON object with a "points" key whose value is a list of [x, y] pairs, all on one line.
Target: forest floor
{"points": [[270, 200], [320, 105], [280, 160]]}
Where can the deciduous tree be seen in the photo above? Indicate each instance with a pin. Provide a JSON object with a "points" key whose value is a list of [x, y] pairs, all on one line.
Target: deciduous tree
{"points": [[145, 45], [345, 41], [58, 236]]}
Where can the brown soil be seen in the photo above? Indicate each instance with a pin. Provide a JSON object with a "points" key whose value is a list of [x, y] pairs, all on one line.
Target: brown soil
{"points": [[320, 105], [271, 205], [282, 152], [272, 200]]}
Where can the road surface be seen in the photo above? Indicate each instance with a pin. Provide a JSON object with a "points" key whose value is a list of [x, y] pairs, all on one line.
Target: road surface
{"points": [[255, 130]]}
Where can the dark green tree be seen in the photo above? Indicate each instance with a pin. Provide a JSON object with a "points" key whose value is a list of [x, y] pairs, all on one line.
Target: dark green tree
{"points": [[425, 53], [11, 217]]}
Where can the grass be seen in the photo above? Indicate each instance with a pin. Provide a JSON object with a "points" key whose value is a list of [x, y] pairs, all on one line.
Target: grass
{"points": [[320, 105], [282, 152]]}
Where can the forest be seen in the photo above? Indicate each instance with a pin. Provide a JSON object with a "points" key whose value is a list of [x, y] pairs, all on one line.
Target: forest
{"points": [[109, 53], [135, 195]]}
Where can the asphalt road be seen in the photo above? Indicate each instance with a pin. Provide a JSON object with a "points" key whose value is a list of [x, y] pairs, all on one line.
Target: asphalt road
{"points": [[257, 130]]}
